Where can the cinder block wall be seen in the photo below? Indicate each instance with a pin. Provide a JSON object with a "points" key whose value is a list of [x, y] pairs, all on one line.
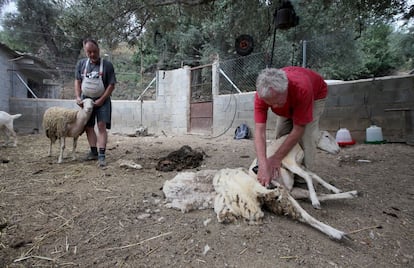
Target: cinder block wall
{"points": [[354, 105]]}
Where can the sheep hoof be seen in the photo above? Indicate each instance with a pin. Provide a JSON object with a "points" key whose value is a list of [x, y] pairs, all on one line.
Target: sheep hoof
{"points": [[316, 205]]}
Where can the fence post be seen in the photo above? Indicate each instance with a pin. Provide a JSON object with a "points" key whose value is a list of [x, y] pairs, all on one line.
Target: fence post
{"points": [[215, 76], [304, 53]]}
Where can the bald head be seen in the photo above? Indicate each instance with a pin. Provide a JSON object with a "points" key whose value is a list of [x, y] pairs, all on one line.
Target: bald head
{"points": [[91, 49]]}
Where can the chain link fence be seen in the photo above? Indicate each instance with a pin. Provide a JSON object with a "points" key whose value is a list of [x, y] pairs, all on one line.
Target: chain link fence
{"points": [[237, 74], [322, 54]]}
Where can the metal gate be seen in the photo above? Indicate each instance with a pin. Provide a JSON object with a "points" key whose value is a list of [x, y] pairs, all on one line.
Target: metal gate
{"points": [[201, 101]]}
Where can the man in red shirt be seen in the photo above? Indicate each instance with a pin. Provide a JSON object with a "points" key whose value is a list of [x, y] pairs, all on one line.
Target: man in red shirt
{"points": [[297, 95]]}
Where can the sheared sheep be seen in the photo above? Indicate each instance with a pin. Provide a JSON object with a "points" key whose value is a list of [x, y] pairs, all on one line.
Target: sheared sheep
{"points": [[238, 194], [291, 165], [59, 123], [6, 126], [328, 143]]}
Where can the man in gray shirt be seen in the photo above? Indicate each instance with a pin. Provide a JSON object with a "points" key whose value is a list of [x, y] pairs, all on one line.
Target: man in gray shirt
{"points": [[95, 79]]}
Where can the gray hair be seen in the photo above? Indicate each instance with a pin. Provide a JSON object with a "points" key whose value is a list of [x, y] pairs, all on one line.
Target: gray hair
{"points": [[90, 40], [271, 78]]}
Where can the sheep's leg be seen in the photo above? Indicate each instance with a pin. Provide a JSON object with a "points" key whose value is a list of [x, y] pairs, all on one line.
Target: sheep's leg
{"points": [[287, 205], [50, 148], [307, 218], [299, 193], [75, 143], [62, 148], [11, 134], [312, 193], [3, 133], [343, 195], [325, 184]]}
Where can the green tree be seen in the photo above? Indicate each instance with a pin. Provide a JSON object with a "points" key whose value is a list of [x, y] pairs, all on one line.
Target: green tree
{"points": [[378, 58], [170, 33], [402, 45], [35, 29]]}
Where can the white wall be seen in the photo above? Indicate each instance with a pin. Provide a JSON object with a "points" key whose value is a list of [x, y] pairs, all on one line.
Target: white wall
{"points": [[5, 78]]}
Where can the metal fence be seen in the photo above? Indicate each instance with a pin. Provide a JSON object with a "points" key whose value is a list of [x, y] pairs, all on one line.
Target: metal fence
{"points": [[236, 74], [239, 74]]}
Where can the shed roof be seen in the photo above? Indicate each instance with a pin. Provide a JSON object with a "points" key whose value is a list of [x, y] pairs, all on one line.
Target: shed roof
{"points": [[32, 67]]}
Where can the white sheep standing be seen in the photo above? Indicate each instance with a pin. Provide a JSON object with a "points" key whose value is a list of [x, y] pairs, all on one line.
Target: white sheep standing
{"points": [[59, 123], [6, 126]]}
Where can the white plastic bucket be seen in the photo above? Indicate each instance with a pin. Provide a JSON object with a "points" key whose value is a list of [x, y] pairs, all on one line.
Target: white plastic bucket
{"points": [[374, 134]]}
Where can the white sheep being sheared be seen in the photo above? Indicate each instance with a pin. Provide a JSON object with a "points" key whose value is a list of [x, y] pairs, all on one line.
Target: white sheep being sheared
{"points": [[6, 126], [291, 165], [238, 194], [327, 142], [59, 123]]}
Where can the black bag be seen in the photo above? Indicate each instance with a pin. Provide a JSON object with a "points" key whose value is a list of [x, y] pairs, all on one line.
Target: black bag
{"points": [[242, 132]]}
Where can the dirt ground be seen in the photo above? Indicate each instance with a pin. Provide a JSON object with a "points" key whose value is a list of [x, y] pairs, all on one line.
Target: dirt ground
{"points": [[78, 215]]}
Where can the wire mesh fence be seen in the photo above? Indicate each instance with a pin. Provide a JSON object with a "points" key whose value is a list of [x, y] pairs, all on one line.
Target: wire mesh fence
{"points": [[237, 74]]}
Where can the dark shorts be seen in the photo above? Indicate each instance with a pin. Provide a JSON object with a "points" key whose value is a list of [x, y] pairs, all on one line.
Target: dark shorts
{"points": [[101, 114]]}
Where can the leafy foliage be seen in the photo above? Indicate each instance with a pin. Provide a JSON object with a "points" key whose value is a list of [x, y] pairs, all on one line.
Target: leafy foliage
{"points": [[345, 39], [378, 57]]}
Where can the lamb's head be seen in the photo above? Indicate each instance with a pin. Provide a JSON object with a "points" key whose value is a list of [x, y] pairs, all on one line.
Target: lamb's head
{"points": [[88, 105], [328, 143]]}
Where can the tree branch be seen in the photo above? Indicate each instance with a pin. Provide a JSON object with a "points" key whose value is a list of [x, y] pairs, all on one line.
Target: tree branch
{"points": [[184, 2]]}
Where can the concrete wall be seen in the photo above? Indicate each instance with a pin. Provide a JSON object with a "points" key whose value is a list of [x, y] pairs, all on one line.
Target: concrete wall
{"points": [[168, 113], [5, 78], [11, 85], [358, 104], [354, 105]]}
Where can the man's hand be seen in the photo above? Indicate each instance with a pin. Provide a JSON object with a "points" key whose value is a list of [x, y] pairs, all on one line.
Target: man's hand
{"points": [[263, 176], [99, 102], [267, 172], [79, 102]]}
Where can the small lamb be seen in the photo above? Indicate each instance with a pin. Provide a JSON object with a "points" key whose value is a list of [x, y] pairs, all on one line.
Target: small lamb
{"points": [[59, 123], [6, 126]]}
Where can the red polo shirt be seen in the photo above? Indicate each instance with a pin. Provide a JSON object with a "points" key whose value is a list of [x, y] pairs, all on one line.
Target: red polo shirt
{"points": [[304, 87]]}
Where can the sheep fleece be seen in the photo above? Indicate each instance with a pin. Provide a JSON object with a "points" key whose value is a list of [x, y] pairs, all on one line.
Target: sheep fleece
{"points": [[56, 121]]}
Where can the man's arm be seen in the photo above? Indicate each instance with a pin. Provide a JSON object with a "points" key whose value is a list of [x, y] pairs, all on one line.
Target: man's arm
{"points": [[260, 141], [264, 174], [107, 94], [78, 91], [293, 137]]}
